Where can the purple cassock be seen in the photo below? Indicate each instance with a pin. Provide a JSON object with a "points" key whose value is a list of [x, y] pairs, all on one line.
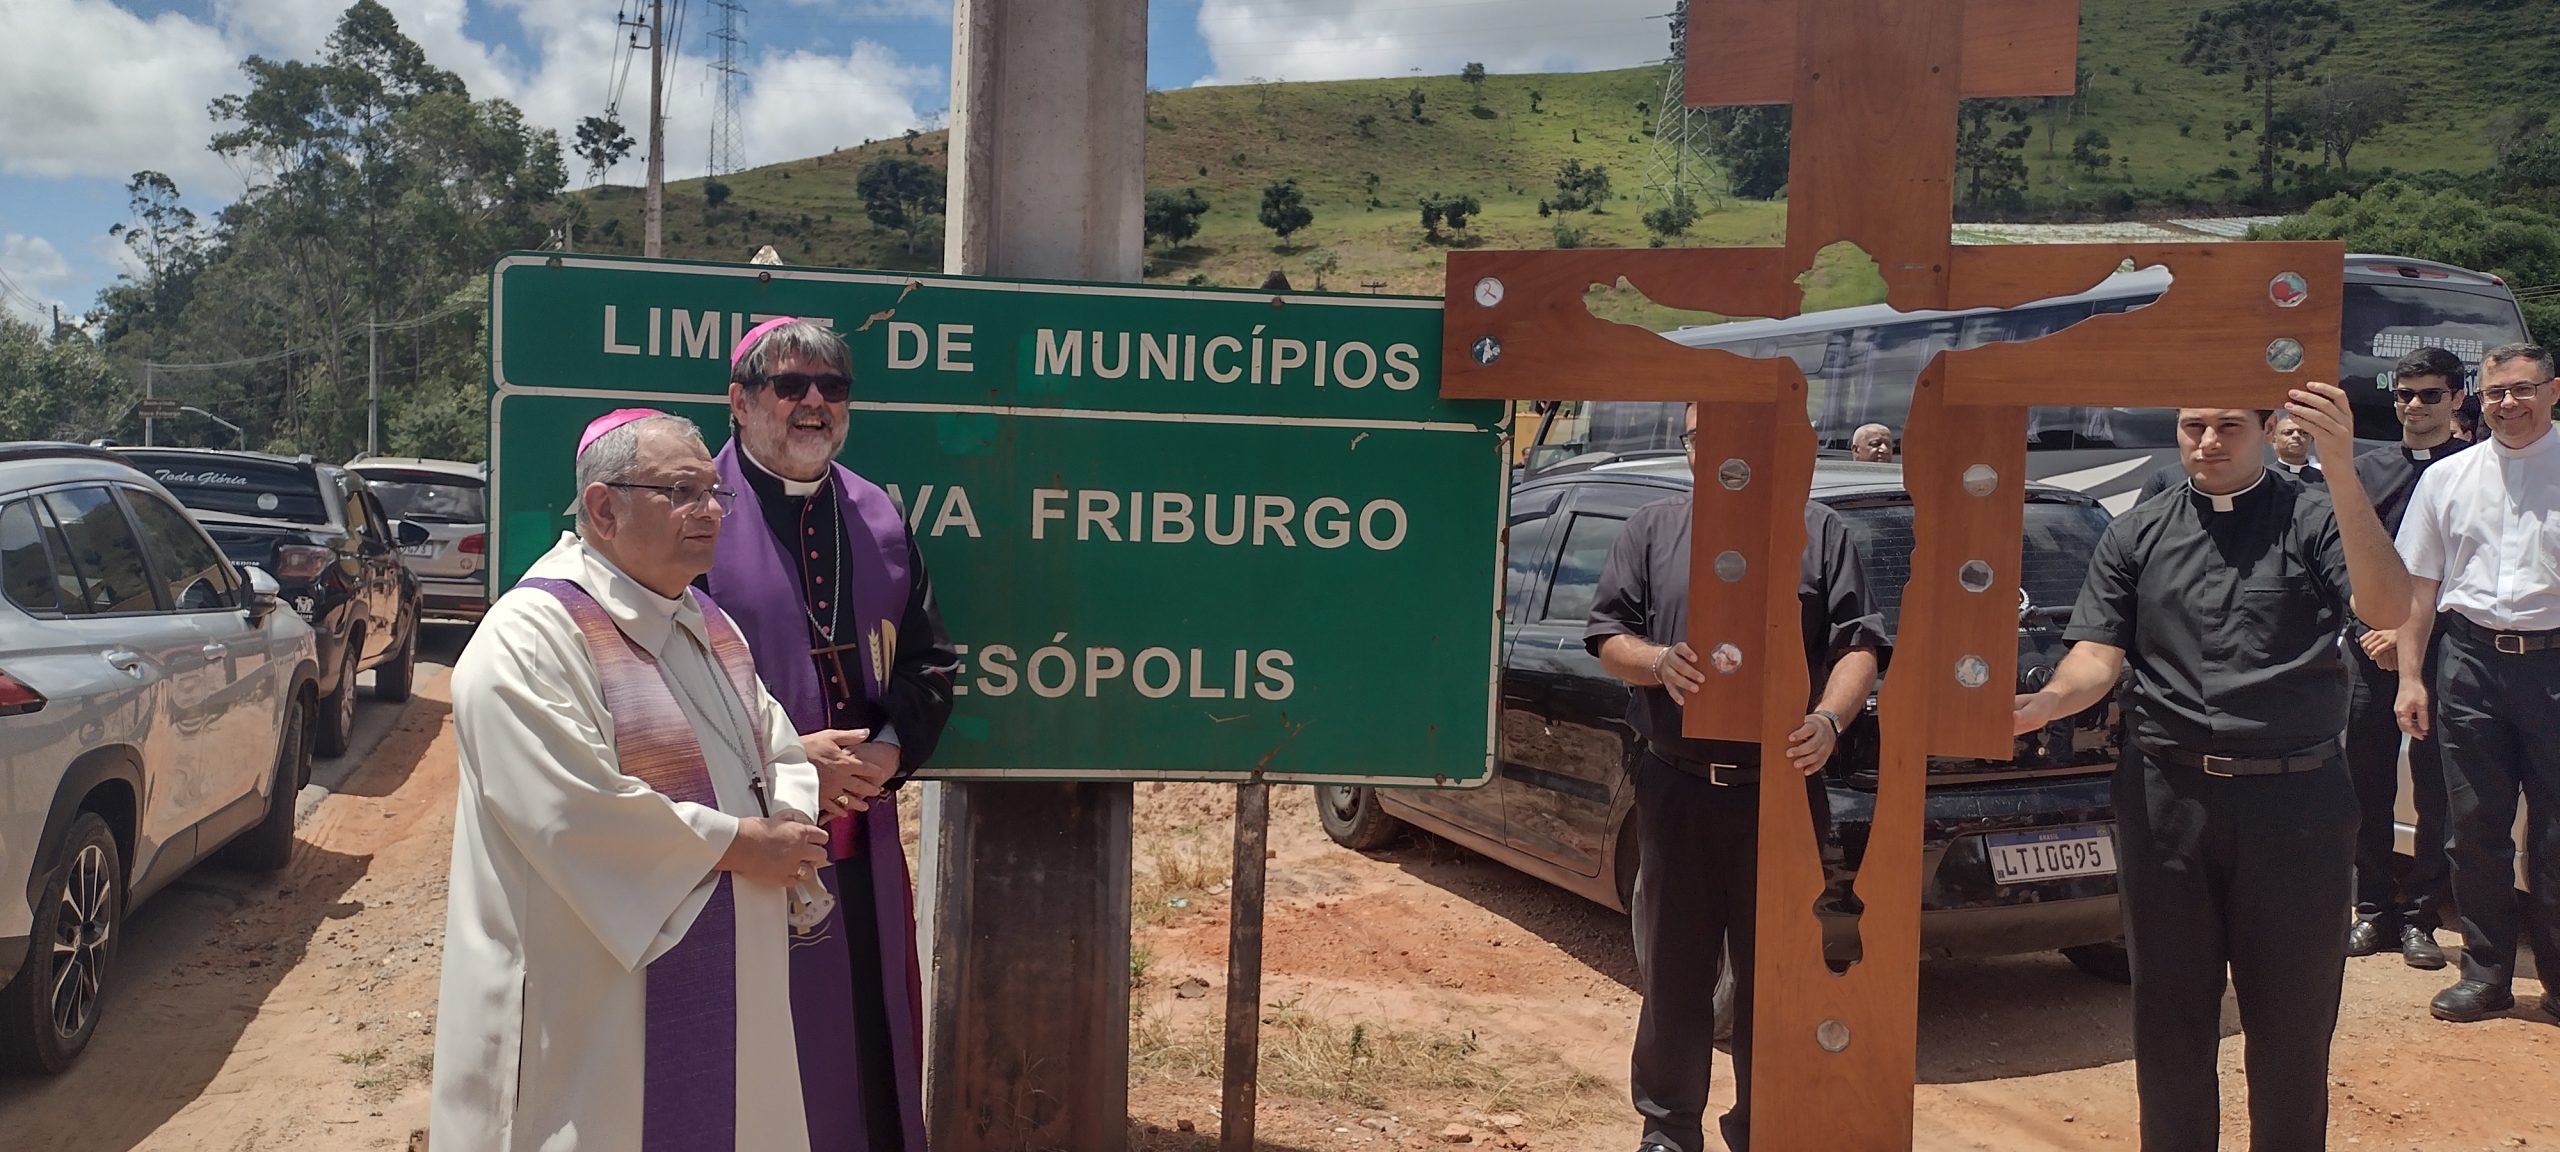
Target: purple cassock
{"points": [[844, 586]]}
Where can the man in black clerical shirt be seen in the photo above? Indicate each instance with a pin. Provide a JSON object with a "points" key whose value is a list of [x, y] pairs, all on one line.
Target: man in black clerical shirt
{"points": [[2395, 911], [1698, 801], [2235, 819]]}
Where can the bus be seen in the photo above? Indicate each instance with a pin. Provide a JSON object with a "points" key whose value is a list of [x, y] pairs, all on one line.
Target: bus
{"points": [[1860, 364]]}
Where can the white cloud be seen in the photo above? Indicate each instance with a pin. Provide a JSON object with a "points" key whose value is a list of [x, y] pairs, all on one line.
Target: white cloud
{"points": [[1348, 39], [89, 89], [113, 252], [36, 269], [803, 103]]}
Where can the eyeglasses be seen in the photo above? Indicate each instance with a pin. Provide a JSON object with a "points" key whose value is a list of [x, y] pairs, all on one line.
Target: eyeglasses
{"points": [[2500, 395], [789, 387], [686, 496], [2419, 395], [1689, 438]]}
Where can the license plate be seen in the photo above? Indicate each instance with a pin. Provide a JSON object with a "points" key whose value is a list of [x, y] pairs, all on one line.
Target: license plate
{"points": [[419, 551], [2051, 854]]}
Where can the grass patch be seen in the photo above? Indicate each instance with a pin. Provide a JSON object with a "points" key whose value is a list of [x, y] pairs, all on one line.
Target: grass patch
{"points": [[1360, 1064], [1183, 870]]}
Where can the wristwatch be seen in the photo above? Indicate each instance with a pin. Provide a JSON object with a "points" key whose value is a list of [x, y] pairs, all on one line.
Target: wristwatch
{"points": [[1834, 718]]}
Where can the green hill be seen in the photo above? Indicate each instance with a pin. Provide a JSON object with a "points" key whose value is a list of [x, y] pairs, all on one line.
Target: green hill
{"points": [[1362, 158]]}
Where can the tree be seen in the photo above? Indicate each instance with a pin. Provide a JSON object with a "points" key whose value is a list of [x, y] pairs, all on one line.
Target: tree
{"points": [[1672, 220], [2341, 111], [165, 239], [2265, 42], [2512, 128], [1413, 99], [2518, 243], [2089, 151], [1322, 262], [900, 194], [1473, 74], [1579, 188], [1454, 209], [1366, 125], [714, 193], [57, 389], [602, 143], [1535, 98], [1174, 217], [1988, 155], [1284, 208], [1752, 144]]}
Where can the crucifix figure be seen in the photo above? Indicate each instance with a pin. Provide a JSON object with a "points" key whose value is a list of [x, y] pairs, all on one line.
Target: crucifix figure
{"points": [[1875, 87]]}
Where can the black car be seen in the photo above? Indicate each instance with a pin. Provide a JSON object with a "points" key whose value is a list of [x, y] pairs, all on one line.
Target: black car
{"points": [[335, 556], [2018, 855]]}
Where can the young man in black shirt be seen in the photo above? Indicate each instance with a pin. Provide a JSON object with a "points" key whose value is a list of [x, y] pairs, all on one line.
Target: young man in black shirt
{"points": [[1698, 801], [2393, 911], [2235, 818]]}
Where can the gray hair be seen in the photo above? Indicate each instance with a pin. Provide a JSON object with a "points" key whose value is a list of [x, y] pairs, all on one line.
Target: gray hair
{"points": [[798, 342], [615, 456], [2535, 354]]}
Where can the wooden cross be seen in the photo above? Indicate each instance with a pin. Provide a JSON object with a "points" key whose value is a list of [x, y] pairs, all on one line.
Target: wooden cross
{"points": [[1875, 86]]}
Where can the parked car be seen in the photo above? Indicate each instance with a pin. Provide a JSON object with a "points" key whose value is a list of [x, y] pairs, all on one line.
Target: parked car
{"points": [[449, 498], [333, 551], [156, 705], [2018, 855]]}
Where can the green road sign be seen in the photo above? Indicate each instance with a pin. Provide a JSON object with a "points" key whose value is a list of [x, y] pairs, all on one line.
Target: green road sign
{"points": [[1177, 534]]}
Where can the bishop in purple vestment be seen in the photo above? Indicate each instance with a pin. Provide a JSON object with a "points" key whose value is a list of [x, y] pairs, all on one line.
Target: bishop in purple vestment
{"points": [[831, 592]]}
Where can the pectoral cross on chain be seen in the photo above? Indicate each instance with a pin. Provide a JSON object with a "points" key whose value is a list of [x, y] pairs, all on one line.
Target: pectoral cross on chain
{"points": [[1875, 86]]}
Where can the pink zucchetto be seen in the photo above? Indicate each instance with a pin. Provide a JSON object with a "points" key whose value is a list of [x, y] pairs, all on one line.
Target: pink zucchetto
{"points": [[754, 334], [597, 427]]}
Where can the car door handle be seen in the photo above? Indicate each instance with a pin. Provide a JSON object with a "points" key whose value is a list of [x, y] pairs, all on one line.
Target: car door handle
{"points": [[214, 651], [125, 660]]}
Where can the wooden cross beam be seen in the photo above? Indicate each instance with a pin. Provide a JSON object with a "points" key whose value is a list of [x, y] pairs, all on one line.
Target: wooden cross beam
{"points": [[1875, 86]]}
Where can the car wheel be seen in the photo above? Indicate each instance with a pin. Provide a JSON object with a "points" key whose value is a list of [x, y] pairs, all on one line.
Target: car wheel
{"points": [[2109, 961], [392, 678], [269, 845], [49, 1012], [1352, 818], [338, 710]]}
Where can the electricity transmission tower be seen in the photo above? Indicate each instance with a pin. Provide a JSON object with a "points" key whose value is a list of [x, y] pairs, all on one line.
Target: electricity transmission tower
{"points": [[728, 70], [1680, 159]]}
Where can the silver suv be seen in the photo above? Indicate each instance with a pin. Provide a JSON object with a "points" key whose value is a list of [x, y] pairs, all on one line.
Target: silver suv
{"points": [[448, 498], [155, 706]]}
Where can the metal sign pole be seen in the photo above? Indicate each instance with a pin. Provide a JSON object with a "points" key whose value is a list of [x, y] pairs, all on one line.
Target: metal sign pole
{"points": [[1244, 968]]}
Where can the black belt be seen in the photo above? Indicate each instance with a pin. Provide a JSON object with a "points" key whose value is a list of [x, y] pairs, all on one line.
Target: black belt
{"points": [[2303, 761], [1718, 773], [2509, 643]]}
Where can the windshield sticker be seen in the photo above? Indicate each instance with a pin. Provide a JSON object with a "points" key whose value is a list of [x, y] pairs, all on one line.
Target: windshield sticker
{"points": [[2394, 345], [267, 501]]}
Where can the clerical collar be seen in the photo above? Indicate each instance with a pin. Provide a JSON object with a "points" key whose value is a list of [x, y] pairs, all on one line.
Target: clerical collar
{"points": [[2296, 469], [790, 487], [2227, 503], [2541, 444], [2431, 451]]}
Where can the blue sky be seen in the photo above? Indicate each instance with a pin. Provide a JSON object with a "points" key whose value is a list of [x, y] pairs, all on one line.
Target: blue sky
{"points": [[93, 90]]}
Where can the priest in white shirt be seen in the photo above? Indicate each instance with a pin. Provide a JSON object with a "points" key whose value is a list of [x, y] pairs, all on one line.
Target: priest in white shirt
{"points": [[630, 848], [2482, 542]]}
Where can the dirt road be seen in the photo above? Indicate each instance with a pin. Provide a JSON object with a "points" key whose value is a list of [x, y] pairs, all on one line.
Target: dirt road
{"points": [[1414, 996]]}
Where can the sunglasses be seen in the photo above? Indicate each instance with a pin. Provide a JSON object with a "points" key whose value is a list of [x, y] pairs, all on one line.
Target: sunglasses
{"points": [[2419, 395], [791, 386]]}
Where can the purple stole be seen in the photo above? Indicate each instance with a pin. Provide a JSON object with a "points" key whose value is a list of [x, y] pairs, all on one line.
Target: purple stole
{"points": [[689, 1061], [748, 569]]}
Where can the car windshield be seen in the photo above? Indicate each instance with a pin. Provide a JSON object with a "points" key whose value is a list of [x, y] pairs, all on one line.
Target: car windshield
{"points": [[2060, 538], [238, 485], [429, 497]]}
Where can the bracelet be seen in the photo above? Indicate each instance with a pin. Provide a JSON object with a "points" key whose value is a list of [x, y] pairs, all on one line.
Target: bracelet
{"points": [[1834, 720], [1660, 654]]}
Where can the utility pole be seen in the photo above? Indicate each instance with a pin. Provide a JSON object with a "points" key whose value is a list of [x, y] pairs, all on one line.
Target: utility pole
{"points": [[728, 75], [1029, 882], [654, 207], [148, 379], [372, 386]]}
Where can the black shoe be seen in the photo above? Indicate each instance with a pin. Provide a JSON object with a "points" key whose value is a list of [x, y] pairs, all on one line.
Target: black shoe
{"points": [[2366, 937], [2470, 1001], [1653, 1146], [2418, 947]]}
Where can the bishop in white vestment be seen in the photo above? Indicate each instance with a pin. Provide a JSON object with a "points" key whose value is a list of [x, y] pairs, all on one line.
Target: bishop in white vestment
{"points": [[616, 954]]}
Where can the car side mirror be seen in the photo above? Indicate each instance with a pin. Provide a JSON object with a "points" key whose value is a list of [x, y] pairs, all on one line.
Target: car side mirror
{"points": [[263, 592], [407, 534]]}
